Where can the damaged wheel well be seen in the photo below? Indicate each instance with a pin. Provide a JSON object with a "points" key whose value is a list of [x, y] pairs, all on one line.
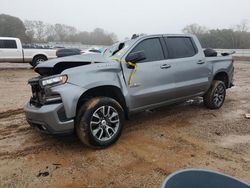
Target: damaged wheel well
{"points": [[104, 91]]}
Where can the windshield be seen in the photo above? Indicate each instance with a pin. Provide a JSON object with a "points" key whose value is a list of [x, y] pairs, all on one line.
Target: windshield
{"points": [[117, 49]]}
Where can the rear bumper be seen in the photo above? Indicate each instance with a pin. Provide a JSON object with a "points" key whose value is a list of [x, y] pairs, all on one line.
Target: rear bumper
{"points": [[50, 119]]}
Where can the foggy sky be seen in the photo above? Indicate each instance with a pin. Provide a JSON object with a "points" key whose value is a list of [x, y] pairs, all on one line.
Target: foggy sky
{"points": [[131, 16]]}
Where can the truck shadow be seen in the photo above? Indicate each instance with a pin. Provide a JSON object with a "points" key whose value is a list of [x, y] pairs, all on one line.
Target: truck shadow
{"points": [[174, 110], [178, 113]]}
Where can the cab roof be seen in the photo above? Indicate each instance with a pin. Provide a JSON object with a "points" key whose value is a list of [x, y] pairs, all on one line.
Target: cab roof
{"points": [[8, 38]]}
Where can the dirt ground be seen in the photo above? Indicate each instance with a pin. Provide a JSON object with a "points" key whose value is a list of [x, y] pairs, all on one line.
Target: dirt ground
{"points": [[153, 144]]}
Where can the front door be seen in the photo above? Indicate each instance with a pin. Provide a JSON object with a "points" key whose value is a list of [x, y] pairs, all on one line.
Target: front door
{"points": [[153, 81]]}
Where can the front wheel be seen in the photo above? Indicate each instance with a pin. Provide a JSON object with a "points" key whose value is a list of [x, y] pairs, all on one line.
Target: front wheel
{"points": [[215, 96], [99, 122]]}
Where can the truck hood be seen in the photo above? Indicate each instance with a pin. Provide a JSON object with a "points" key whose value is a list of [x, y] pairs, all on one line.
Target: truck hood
{"points": [[58, 65]]}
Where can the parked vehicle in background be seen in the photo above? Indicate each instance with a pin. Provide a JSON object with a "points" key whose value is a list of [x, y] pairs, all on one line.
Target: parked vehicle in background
{"points": [[91, 94], [11, 50], [91, 50], [63, 52], [36, 46]]}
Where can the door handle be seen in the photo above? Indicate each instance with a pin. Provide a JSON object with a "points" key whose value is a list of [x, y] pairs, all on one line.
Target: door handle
{"points": [[165, 66], [200, 62]]}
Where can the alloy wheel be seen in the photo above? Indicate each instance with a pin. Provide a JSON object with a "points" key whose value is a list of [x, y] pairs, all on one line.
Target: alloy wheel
{"points": [[104, 123], [219, 95]]}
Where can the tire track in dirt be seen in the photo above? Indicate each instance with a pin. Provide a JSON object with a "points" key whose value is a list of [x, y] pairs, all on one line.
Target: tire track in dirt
{"points": [[13, 129], [26, 151], [9, 113]]}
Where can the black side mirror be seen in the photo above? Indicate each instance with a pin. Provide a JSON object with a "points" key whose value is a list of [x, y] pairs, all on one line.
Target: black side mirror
{"points": [[136, 57]]}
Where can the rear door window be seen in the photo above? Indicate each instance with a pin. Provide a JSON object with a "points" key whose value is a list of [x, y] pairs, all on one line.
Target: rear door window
{"points": [[1, 44], [10, 44], [180, 47], [152, 49]]}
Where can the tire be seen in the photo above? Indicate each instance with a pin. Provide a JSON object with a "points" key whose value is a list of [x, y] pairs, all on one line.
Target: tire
{"points": [[97, 128], [38, 59], [215, 96]]}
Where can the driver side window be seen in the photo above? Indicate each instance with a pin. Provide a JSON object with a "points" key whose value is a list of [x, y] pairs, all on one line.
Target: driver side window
{"points": [[151, 48]]}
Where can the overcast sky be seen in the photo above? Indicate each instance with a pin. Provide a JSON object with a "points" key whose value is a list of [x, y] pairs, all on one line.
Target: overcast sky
{"points": [[125, 17]]}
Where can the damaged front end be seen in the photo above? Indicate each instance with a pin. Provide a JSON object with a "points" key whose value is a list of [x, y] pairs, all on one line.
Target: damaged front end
{"points": [[50, 76], [51, 108], [56, 91], [41, 90], [57, 66]]}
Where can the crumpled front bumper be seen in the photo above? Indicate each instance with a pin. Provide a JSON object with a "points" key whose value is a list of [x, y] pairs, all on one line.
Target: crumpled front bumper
{"points": [[49, 119]]}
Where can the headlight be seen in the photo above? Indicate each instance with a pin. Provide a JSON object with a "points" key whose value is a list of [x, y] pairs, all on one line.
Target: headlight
{"points": [[55, 80]]}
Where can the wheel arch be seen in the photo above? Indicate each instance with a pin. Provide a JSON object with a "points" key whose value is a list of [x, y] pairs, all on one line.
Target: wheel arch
{"points": [[111, 91], [39, 55], [33, 63], [222, 76]]}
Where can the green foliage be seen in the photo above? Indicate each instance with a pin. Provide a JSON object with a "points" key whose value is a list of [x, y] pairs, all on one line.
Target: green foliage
{"points": [[11, 26]]}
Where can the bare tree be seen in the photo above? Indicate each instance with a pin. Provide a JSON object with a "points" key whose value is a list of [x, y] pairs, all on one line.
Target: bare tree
{"points": [[61, 32], [36, 30], [40, 30], [243, 26], [195, 29], [236, 37], [30, 32], [50, 33]]}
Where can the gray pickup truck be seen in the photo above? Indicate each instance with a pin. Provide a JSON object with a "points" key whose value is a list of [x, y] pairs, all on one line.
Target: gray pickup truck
{"points": [[92, 94]]}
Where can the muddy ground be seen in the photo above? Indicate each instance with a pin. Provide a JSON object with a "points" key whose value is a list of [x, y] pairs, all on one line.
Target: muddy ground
{"points": [[153, 144]]}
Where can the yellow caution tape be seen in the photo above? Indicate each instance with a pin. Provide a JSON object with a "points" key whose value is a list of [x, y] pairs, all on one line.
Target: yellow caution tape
{"points": [[132, 75]]}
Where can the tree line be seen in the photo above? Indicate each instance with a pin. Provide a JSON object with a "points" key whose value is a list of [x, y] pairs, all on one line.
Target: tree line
{"points": [[32, 31], [237, 37]]}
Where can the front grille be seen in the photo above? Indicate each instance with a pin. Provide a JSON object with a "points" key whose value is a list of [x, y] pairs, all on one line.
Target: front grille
{"points": [[42, 96], [38, 93]]}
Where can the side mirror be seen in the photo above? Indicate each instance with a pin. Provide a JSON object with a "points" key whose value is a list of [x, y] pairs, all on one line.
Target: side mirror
{"points": [[136, 57]]}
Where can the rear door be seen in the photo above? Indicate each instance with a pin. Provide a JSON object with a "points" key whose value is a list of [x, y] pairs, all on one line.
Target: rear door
{"points": [[153, 81], [9, 51], [191, 69]]}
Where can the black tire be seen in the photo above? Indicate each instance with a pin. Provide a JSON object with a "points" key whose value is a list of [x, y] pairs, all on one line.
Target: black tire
{"points": [[38, 59], [104, 133], [215, 96]]}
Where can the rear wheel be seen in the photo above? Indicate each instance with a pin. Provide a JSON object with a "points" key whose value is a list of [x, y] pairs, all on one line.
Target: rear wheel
{"points": [[215, 96], [99, 122], [38, 59]]}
